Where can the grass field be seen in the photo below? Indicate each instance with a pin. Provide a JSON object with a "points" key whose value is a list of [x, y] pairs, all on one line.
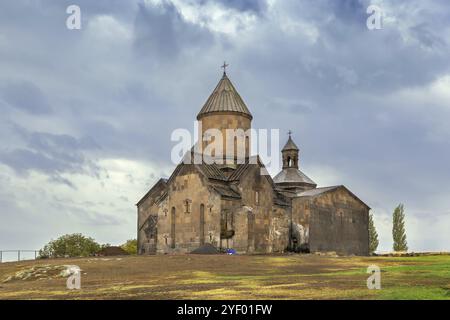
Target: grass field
{"points": [[229, 277]]}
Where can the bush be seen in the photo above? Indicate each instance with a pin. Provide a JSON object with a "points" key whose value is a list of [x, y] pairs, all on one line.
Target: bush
{"points": [[130, 246], [70, 245]]}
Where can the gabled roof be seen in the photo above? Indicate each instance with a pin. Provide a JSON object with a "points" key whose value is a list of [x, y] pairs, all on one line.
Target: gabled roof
{"points": [[293, 175], [212, 171], [316, 191], [226, 191], [219, 182], [161, 184], [319, 191], [224, 98], [239, 171]]}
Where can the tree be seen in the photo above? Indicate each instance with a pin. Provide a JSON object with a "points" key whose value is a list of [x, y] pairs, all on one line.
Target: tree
{"points": [[398, 229], [130, 246], [70, 245], [373, 236]]}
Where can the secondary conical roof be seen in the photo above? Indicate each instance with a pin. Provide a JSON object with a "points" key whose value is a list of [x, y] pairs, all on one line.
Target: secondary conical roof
{"points": [[293, 175], [290, 145]]}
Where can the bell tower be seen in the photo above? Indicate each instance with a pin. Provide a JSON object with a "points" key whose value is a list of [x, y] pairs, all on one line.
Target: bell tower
{"points": [[291, 179], [290, 154]]}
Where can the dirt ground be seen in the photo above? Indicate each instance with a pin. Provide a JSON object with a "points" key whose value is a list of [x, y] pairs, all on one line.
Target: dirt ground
{"points": [[229, 277]]}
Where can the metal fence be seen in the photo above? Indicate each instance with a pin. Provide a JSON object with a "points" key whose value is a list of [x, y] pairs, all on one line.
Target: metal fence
{"points": [[19, 254]]}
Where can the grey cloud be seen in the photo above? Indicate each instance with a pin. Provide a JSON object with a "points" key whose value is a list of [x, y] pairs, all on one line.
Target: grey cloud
{"points": [[94, 218], [257, 6], [76, 210], [52, 154], [161, 30], [19, 233], [62, 146], [60, 180], [25, 96], [89, 7], [381, 60], [23, 160], [429, 39], [296, 105], [348, 10], [331, 89]]}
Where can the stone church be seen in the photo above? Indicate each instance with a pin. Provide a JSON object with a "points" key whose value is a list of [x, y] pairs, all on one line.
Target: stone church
{"points": [[234, 205]]}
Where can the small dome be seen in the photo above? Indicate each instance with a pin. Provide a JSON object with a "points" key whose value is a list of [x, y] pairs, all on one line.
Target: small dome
{"points": [[293, 175]]}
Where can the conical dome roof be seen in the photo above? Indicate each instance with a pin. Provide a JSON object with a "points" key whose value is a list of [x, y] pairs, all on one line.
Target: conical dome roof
{"points": [[224, 98], [293, 175], [290, 145]]}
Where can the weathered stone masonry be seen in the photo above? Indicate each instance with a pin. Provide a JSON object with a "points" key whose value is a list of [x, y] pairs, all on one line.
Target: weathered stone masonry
{"points": [[234, 206]]}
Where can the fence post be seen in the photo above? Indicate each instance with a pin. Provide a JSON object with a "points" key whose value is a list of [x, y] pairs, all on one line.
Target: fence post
{"points": [[19, 254]]}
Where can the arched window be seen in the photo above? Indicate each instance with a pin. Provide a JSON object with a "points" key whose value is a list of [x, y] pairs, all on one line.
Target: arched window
{"points": [[187, 206], [247, 146]]}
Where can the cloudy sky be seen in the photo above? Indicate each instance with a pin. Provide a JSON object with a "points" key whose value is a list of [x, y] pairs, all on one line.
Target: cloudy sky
{"points": [[86, 115]]}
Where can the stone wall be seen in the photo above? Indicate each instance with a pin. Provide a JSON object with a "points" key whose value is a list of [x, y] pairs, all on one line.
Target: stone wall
{"points": [[256, 225], [338, 222], [279, 229], [186, 194], [148, 214], [178, 222], [226, 121], [333, 221], [301, 212], [268, 223], [235, 218]]}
